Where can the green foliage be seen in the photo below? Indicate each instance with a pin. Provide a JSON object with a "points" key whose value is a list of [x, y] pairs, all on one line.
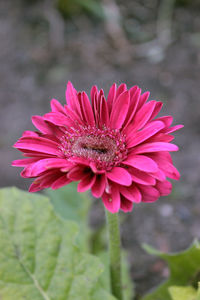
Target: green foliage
{"points": [[183, 293], [74, 206], [184, 270], [69, 8], [39, 258]]}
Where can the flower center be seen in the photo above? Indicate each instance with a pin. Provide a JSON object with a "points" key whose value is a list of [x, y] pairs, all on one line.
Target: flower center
{"points": [[105, 147], [95, 147]]}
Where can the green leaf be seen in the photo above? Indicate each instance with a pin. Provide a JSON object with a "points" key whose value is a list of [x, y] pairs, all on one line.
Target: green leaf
{"points": [[39, 259], [71, 205], [184, 270], [183, 293]]}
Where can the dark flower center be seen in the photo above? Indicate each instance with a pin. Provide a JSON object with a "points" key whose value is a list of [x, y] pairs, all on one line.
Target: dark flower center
{"points": [[105, 147], [95, 147]]}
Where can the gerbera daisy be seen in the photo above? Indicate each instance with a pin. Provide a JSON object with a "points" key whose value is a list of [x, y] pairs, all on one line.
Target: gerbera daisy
{"points": [[116, 147]]}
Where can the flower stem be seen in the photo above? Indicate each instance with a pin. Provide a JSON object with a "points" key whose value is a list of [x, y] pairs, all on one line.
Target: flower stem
{"points": [[114, 254]]}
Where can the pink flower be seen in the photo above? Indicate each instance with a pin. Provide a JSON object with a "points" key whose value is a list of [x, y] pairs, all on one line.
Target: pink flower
{"points": [[114, 147]]}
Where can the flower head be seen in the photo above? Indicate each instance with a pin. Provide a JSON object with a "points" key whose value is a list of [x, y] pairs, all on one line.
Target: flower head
{"points": [[115, 147]]}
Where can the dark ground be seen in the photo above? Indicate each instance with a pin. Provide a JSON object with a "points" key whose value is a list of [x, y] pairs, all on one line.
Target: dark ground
{"points": [[35, 65]]}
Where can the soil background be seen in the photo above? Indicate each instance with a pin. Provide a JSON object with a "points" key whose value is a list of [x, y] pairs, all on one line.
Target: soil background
{"points": [[132, 42]]}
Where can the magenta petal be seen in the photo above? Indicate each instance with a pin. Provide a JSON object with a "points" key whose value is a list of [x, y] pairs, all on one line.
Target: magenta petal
{"points": [[141, 162], [77, 173], [23, 162], [132, 193], [149, 193], [94, 93], [159, 175], [111, 96], [56, 106], [154, 147], [104, 114], [167, 120], [164, 188], [35, 187], [174, 128], [99, 186], [121, 89], [169, 170], [87, 109], [134, 100], [112, 201], [59, 119], [143, 115], [38, 144], [133, 139], [142, 177], [119, 111], [47, 164], [60, 182], [40, 124], [120, 175], [86, 183], [143, 99], [72, 99], [126, 205], [29, 133], [157, 109]]}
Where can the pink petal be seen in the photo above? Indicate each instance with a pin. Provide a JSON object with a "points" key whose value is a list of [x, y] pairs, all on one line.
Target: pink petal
{"points": [[161, 137], [143, 99], [149, 193], [154, 147], [104, 114], [132, 193], [28, 133], [48, 164], [174, 128], [134, 100], [44, 181], [94, 93], [141, 162], [99, 186], [143, 115], [126, 205], [60, 182], [23, 162], [149, 130], [165, 164], [111, 96], [59, 119], [95, 106], [157, 109], [159, 175], [112, 201], [142, 177], [86, 183], [87, 109], [121, 89], [56, 106], [119, 110], [167, 120], [40, 124], [120, 175], [77, 173], [37, 144], [164, 188], [72, 99]]}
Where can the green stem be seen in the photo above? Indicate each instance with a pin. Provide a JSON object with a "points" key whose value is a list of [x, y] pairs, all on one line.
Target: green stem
{"points": [[114, 254]]}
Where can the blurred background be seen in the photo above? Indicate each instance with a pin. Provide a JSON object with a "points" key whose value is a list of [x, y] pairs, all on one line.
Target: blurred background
{"points": [[152, 43]]}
